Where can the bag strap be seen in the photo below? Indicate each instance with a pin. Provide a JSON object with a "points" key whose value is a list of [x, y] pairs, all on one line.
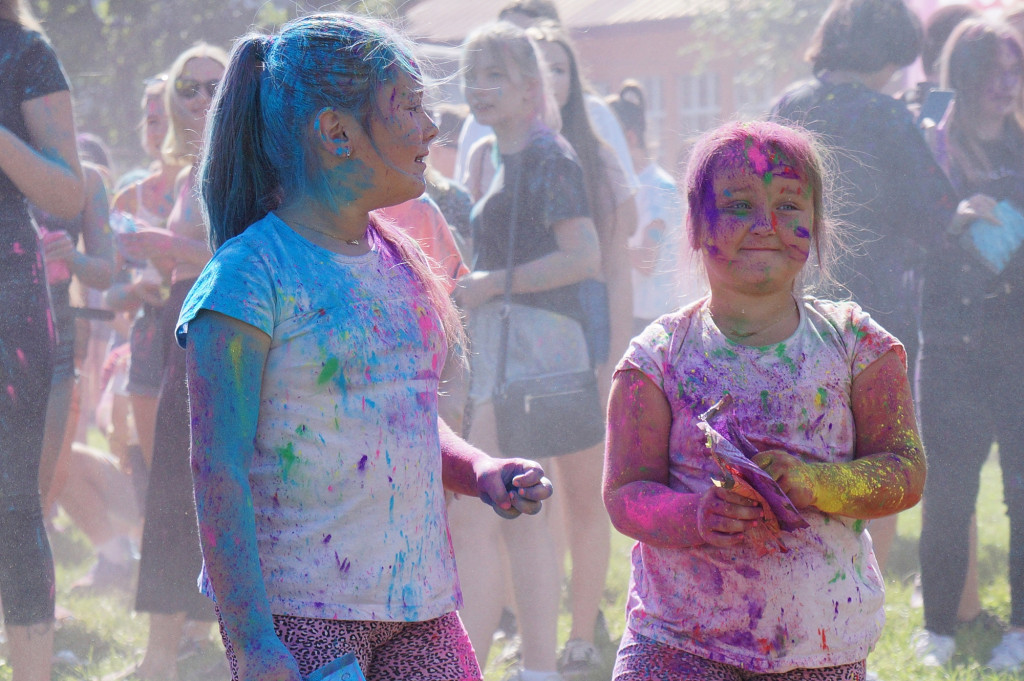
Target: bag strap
{"points": [[500, 384]]}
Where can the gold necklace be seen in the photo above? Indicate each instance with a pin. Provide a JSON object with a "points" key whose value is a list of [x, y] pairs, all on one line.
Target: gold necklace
{"points": [[350, 242]]}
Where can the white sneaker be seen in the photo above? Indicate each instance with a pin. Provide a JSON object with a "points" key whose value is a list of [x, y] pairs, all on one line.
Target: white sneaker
{"points": [[1009, 654], [934, 650]]}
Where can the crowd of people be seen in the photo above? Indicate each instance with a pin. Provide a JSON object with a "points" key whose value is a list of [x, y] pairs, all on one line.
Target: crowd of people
{"points": [[312, 327]]}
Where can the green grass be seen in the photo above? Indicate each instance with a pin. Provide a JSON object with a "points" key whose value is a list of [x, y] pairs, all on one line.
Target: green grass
{"points": [[106, 636]]}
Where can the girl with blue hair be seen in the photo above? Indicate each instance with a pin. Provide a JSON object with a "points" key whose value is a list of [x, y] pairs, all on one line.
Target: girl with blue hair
{"points": [[315, 339]]}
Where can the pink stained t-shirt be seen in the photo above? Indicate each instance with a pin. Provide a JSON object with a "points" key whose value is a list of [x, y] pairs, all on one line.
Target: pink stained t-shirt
{"points": [[819, 604], [421, 219]]}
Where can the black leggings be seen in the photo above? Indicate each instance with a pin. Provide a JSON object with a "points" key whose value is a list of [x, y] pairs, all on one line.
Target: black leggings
{"points": [[26, 565], [968, 400]]}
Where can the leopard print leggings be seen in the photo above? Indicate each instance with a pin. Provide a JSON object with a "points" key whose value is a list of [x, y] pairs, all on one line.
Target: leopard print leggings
{"points": [[435, 650], [643, 659]]}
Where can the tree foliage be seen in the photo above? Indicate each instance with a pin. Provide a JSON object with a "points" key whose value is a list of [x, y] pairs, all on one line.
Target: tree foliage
{"points": [[109, 47], [765, 36]]}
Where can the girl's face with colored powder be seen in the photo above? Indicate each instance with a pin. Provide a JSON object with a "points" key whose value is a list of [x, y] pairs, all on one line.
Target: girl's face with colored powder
{"points": [[492, 94], [758, 232], [401, 131]]}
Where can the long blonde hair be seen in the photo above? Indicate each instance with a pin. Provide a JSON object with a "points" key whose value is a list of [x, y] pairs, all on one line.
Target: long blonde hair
{"points": [[176, 149], [519, 55]]}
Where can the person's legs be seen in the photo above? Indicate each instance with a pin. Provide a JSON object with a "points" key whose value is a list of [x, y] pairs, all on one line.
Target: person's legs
{"points": [[970, 600], [1008, 404], [144, 413], [578, 477], [94, 498], [160, 663], [956, 423], [479, 554], [31, 648], [534, 571], [479, 550], [533, 567], [26, 571], [60, 428], [435, 650]]}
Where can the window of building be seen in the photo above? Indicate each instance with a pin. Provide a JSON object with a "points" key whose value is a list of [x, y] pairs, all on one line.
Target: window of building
{"points": [[700, 104], [753, 93]]}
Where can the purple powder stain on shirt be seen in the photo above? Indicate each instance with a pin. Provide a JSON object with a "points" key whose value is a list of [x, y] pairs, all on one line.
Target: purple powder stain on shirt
{"points": [[327, 539], [343, 565], [362, 463], [748, 571], [755, 611]]}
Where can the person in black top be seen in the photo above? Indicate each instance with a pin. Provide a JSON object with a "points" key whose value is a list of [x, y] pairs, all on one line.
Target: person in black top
{"points": [[38, 162], [971, 367], [538, 190], [898, 197]]}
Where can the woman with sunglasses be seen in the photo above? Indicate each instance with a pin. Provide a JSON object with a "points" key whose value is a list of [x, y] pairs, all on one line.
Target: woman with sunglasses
{"points": [[170, 554], [38, 162]]}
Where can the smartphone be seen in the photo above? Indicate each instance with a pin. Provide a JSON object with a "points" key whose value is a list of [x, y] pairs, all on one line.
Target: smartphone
{"points": [[936, 103]]}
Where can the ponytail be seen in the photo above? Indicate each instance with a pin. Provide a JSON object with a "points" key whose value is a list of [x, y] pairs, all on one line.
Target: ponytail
{"points": [[238, 183]]}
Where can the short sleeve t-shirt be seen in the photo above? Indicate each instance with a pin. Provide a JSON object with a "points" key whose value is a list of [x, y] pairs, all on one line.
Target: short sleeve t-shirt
{"points": [[28, 70], [665, 288], [547, 183], [820, 603], [346, 475], [421, 219]]}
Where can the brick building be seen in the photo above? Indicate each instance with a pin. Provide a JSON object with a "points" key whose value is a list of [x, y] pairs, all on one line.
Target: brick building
{"points": [[690, 86]]}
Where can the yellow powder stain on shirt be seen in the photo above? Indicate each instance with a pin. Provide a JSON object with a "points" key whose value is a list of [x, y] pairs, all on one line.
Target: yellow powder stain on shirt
{"points": [[235, 353]]}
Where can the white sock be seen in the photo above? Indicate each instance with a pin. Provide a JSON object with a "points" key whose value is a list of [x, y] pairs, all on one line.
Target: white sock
{"points": [[533, 675]]}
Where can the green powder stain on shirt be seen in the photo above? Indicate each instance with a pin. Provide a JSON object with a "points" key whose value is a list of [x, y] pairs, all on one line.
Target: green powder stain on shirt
{"points": [[287, 456], [330, 368], [780, 352], [838, 576]]}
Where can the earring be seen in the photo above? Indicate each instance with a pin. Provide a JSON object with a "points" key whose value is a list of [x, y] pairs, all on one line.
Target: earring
{"points": [[343, 151]]}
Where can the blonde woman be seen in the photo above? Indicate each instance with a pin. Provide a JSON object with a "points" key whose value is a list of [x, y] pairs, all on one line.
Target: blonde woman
{"points": [[170, 554]]}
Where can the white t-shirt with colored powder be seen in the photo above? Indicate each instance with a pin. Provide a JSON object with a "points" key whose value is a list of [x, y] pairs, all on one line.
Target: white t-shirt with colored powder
{"points": [[346, 476], [821, 603]]}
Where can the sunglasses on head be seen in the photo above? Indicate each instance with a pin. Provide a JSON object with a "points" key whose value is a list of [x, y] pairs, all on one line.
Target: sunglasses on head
{"points": [[189, 89]]}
